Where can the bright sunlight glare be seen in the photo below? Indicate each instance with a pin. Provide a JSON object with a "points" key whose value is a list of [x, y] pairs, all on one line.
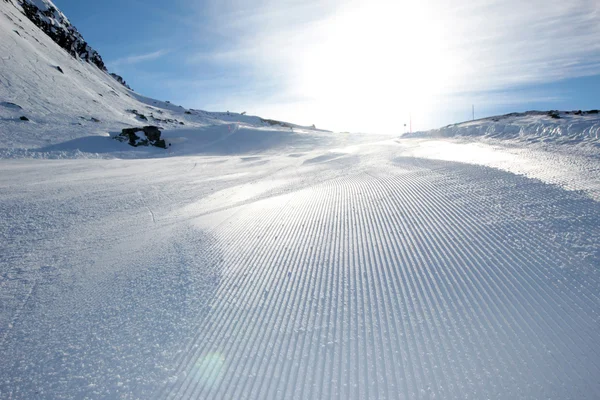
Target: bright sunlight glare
{"points": [[390, 55]]}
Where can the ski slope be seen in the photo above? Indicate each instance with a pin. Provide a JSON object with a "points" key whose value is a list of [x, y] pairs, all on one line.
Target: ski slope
{"points": [[327, 274], [253, 260]]}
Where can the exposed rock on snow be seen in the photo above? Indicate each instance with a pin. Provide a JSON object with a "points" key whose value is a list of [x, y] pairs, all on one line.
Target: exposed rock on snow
{"points": [[55, 24], [151, 133], [273, 122], [120, 79]]}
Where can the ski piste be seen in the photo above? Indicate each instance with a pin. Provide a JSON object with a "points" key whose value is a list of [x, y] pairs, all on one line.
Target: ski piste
{"points": [[251, 261]]}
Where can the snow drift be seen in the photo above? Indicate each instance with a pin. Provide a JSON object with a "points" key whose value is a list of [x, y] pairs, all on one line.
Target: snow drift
{"points": [[565, 127]]}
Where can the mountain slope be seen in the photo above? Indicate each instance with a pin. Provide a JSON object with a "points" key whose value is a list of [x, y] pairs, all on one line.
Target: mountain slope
{"points": [[69, 97]]}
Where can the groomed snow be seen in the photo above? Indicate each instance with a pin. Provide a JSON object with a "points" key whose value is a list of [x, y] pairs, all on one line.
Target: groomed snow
{"points": [[367, 274], [250, 261]]}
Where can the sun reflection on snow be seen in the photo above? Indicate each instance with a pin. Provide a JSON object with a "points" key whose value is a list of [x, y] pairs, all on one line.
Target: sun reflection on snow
{"points": [[208, 370]]}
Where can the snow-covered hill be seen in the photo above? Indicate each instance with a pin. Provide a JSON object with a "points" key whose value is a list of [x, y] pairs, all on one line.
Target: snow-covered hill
{"points": [[72, 104], [560, 148], [560, 127]]}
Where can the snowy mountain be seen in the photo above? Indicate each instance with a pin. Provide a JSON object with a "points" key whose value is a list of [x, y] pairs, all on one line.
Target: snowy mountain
{"points": [[45, 15], [58, 100], [256, 259]]}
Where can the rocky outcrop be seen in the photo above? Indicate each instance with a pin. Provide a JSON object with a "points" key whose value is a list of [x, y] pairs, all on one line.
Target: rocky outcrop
{"points": [[120, 79], [150, 137], [45, 15], [273, 122], [55, 24]]}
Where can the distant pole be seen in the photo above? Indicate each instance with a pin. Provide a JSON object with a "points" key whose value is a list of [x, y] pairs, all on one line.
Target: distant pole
{"points": [[473, 111]]}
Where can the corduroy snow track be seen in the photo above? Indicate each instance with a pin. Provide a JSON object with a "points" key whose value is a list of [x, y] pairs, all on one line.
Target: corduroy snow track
{"points": [[358, 275]]}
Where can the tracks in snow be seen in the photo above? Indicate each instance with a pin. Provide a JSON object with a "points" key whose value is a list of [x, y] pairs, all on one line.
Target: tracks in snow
{"points": [[411, 282], [370, 276]]}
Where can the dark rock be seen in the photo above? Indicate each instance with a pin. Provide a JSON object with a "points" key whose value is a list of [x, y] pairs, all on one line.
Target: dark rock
{"points": [[188, 112], [120, 79], [54, 24], [554, 114], [95, 119], [128, 131], [60, 69], [152, 133], [273, 122], [130, 134], [181, 123], [579, 112], [593, 112], [151, 137], [24, 118]]}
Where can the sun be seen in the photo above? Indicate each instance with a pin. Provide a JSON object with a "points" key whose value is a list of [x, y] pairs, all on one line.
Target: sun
{"points": [[378, 57]]}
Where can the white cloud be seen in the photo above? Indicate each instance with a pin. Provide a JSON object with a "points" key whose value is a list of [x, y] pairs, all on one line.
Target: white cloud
{"points": [[138, 58], [350, 62]]}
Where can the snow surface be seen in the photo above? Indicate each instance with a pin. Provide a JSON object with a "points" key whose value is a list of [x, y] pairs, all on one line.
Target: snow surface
{"points": [[250, 261]]}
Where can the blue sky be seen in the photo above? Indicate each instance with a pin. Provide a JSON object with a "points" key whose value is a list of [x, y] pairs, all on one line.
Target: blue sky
{"points": [[357, 65]]}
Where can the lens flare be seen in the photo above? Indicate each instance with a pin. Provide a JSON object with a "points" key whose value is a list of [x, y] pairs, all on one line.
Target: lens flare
{"points": [[208, 370]]}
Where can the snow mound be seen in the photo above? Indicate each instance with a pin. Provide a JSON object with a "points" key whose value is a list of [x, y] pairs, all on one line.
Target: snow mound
{"points": [[562, 127]]}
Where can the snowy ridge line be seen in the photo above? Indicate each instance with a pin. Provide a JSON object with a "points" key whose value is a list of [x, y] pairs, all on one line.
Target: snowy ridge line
{"points": [[457, 304], [566, 128]]}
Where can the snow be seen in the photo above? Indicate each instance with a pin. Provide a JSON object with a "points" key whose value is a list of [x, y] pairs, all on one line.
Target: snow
{"points": [[575, 127], [564, 151], [250, 261]]}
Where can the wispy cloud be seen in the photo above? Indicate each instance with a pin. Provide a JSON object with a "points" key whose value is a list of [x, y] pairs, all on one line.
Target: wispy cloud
{"points": [[355, 60], [138, 58]]}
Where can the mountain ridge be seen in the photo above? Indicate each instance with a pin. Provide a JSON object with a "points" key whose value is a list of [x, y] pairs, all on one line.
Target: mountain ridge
{"points": [[52, 100], [54, 23]]}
